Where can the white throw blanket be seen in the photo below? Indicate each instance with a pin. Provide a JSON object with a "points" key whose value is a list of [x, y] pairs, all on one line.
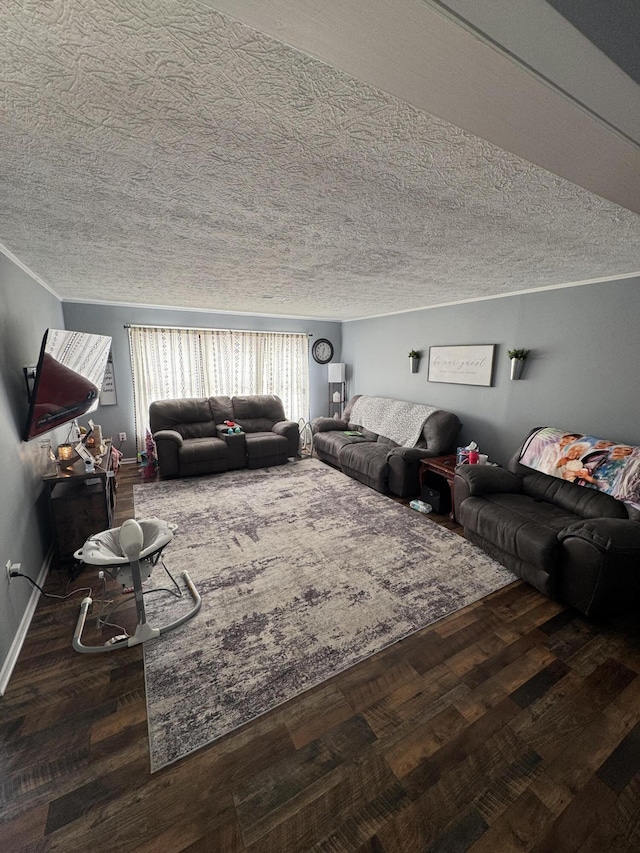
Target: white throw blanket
{"points": [[398, 420]]}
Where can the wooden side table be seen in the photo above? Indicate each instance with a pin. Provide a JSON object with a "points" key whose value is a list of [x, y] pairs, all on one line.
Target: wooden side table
{"points": [[442, 466], [80, 504]]}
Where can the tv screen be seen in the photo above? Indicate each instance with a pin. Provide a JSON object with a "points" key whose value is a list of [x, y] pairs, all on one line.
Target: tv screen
{"points": [[68, 379]]}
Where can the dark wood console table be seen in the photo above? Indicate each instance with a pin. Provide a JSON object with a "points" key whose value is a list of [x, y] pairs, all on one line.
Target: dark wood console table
{"points": [[442, 466], [80, 504]]}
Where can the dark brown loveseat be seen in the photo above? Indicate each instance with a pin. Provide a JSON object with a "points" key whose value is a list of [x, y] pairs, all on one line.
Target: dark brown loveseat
{"points": [[569, 541], [191, 436]]}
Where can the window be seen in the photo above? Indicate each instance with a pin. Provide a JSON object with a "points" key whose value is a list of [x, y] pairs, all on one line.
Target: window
{"points": [[171, 363]]}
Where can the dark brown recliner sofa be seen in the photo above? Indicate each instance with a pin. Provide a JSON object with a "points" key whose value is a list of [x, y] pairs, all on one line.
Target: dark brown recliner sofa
{"points": [[376, 460], [191, 436], [576, 544]]}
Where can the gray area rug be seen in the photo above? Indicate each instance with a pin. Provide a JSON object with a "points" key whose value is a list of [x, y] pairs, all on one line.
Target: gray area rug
{"points": [[303, 572]]}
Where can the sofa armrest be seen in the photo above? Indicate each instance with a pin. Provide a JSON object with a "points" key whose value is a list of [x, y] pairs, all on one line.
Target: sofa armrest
{"points": [[404, 465], [409, 453], [169, 435], [285, 428], [168, 444], [600, 566], [615, 536], [475, 480], [413, 453], [327, 424], [487, 480], [291, 431]]}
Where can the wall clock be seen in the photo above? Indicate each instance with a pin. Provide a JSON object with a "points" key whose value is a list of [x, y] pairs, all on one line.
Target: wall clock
{"points": [[322, 351]]}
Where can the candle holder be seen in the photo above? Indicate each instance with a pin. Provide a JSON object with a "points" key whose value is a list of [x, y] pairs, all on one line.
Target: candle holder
{"points": [[66, 455]]}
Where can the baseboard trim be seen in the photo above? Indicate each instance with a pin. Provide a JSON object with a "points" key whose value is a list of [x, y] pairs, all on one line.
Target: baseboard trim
{"points": [[18, 641]]}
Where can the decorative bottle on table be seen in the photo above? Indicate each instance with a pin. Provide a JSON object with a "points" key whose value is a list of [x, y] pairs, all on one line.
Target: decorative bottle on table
{"points": [[47, 466]]}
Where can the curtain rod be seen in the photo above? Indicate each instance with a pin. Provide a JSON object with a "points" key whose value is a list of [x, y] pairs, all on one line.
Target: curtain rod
{"points": [[195, 329]]}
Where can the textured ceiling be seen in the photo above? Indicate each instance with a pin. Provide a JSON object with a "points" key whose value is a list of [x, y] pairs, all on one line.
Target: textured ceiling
{"points": [[163, 153]]}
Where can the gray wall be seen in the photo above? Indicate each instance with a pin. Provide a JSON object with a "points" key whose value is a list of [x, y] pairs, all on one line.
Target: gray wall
{"points": [[26, 311], [582, 373], [110, 320]]}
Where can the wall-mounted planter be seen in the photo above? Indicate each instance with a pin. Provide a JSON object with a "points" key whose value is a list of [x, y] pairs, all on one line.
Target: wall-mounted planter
{"points": [[414, 360], [517, 366], [518, 358]]}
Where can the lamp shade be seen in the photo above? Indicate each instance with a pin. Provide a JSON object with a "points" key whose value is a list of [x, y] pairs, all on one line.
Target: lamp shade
{"points": [[337, 372]]}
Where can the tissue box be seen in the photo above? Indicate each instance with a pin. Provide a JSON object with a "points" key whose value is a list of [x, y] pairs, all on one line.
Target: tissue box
{"points": [[462, 456], [421, 506]]}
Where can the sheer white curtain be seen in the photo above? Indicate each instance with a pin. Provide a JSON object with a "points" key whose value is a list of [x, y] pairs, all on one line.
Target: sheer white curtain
{"points": [[259, 363], [170, 363]]}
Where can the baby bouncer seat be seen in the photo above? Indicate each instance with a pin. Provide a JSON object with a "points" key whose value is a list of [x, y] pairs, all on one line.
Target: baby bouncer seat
{"points": [[129, 554]]}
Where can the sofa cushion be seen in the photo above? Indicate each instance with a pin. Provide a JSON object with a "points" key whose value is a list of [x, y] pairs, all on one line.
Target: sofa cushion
{"points": [[583, 502], [387, 442], [265, 449], [258, 413], [346, 414], [366, 433], [191, 417], [440, 433], [203, 456], [221, 409], [518, 524], [367, 463], [331, 443]]}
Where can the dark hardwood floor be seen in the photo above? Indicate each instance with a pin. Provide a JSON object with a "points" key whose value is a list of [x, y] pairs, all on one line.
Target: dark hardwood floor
{"points": [[512, 725]]}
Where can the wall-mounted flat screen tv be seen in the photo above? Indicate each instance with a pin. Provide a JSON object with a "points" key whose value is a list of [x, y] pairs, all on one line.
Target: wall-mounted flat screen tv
{"points": [[68, 379]]}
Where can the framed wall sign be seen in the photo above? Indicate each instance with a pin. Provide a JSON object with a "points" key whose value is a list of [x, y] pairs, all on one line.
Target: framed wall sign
{"points": [[464, 365], [108, 392]]}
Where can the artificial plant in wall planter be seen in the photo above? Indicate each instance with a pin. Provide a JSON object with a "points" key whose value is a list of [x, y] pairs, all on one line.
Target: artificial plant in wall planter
{"points": [[414, 360], [518, 358]]}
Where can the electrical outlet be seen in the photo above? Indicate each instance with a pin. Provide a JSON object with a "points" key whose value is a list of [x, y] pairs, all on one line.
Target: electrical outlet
{"points": [[122, 436], [12, 567]]}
